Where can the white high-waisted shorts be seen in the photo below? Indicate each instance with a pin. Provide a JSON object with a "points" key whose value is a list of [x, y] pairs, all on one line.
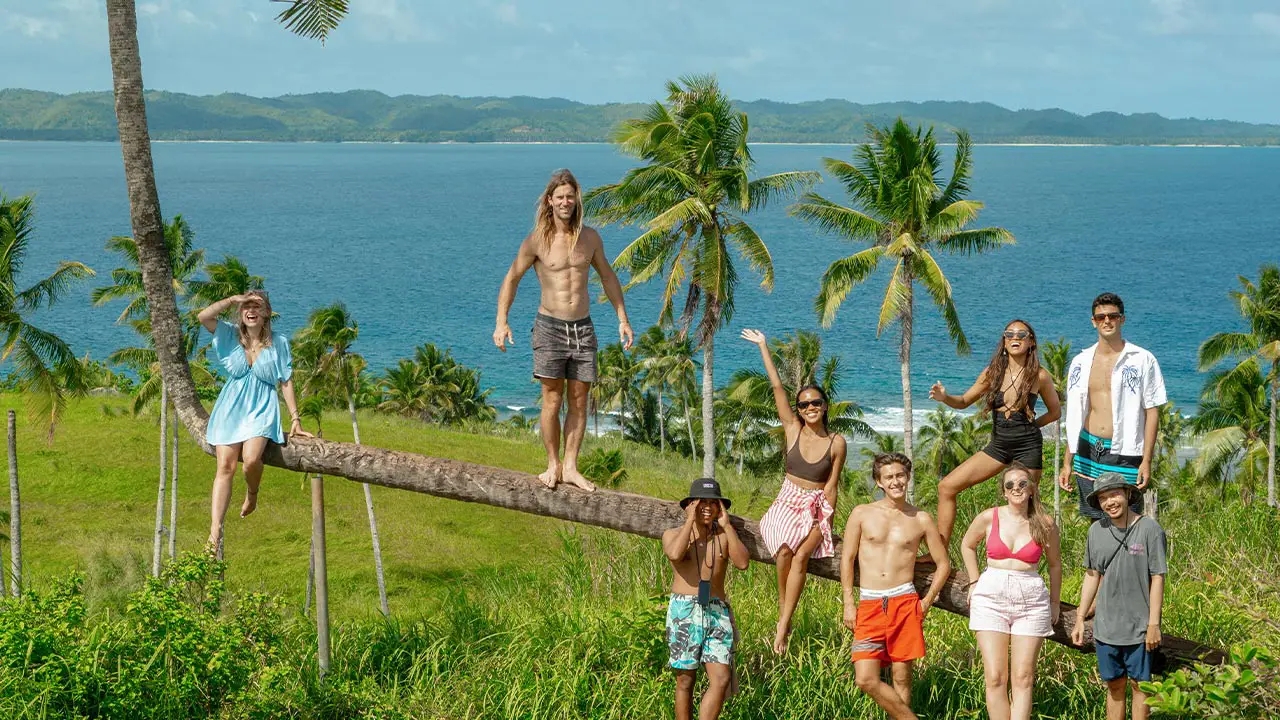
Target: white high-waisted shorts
{"points": [[1013, 602]]}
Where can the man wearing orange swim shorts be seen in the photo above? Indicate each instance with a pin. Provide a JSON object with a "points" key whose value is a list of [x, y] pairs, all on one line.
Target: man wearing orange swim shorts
{"points": [[888, 619]]}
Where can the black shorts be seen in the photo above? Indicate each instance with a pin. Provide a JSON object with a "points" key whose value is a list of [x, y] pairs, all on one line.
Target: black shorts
{"points": [[564, 349], [1015, 438]]}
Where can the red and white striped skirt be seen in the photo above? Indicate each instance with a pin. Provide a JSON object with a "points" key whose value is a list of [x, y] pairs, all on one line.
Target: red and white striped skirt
{"points": [[792, 516]]}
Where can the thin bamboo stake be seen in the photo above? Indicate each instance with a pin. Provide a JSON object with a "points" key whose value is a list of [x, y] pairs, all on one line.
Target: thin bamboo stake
{"points": [[15, 512], [157, 543], [173, 492], [321, 573]]}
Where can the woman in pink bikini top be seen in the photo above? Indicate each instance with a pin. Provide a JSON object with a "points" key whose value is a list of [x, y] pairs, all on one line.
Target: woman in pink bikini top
{"points": [[1010, 609]]}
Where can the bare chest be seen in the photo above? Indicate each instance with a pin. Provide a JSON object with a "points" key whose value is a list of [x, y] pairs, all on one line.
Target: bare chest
{"points": [[1100, 376], [560, 257], [891, 532]]}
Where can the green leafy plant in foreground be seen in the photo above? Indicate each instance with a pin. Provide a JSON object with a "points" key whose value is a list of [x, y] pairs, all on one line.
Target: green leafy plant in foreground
{"points": [[604, 467], [1247, 686]]}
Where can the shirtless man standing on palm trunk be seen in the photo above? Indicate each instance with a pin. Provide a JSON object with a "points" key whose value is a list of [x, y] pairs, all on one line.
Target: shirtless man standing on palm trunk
{"points": [[561, 250], [887, 619]]}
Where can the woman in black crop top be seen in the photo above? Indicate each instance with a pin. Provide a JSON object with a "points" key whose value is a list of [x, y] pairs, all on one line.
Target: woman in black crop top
{"points": [[1010, 384], [797, 525]]}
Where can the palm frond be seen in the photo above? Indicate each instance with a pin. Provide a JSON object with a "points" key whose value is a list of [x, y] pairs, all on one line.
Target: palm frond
{"points": [[312, 19], [969, 242], [48, 290], [835, 218], [840, 278], [924, 267], [754, 250], [896, 298]]}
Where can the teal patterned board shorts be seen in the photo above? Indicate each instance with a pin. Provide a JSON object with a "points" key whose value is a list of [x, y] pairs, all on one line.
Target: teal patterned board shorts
{"points": [[698, 635]]}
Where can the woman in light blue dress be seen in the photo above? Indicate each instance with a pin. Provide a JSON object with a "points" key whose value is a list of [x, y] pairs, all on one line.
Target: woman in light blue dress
{"points": [[247, 412]]}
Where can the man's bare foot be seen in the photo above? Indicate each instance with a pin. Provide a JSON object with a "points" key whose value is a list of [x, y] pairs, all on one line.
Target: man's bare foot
{"points": [[550, 477], [780, 640], [576, 479], [250, 504]]}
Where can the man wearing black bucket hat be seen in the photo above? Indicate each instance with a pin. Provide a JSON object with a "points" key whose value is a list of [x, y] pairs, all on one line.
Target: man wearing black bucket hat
{"points": [[1125, 566], [700, 628]]}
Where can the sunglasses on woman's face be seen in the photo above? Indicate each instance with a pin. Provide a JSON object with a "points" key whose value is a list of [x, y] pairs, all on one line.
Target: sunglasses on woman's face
{"points": [[1011, 485], [802, 404], [1016, 334]]}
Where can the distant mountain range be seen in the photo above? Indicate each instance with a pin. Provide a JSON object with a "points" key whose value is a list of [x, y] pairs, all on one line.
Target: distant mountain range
{"points": [[366, 115]]}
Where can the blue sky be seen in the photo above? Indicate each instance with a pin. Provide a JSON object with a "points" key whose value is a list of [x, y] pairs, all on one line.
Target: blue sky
{"points": [[1203, 58]]}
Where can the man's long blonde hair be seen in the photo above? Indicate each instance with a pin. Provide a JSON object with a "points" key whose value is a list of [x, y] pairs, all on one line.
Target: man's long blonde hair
{"points": [[544, 219]]}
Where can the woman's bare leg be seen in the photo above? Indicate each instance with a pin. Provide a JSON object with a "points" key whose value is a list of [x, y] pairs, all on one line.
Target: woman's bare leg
{"points": [[976, 469], [1022, 674], [782, 561], [795, 585], [251, 456], [995, 666], [228, 456]]}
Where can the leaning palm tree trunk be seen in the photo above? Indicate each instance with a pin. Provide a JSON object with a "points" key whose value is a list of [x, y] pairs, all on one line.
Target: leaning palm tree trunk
{"points": [[373, 519], [904, 355], [157, 541], [708, 408], [15, 511], [173, 492]]}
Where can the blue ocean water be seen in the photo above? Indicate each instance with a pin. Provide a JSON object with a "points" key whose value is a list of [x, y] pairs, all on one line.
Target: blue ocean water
{"points": [[415, 239]]}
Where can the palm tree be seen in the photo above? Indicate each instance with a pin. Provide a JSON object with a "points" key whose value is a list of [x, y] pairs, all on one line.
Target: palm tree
{"points": [[691, 196], [669, 364], [1231, 424], [404, 391], [47, 369], [1260, 305], [326, 342], [126, 281], [940, 440], [434, 387], [1056, 358], [800, 362], [224, 279], [615, 387], [905, 211]]}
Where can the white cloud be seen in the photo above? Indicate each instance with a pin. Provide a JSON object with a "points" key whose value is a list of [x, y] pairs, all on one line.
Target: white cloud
{"points": [[546, 27], [1267, 22], [742, 63], [507, 13], [1173, 17], [34, 27], [382, 20]]}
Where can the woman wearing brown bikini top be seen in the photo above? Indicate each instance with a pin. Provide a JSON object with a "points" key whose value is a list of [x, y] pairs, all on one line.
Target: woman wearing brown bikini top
{"points": [[797, 525]]}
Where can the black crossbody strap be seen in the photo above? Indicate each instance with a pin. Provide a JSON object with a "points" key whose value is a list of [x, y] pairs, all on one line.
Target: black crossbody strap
{"points": [[1124, 542]]}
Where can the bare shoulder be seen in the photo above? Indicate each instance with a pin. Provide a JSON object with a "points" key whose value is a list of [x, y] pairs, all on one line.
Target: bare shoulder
{"points": [[922, 517], [838, 443], [590, 236]]}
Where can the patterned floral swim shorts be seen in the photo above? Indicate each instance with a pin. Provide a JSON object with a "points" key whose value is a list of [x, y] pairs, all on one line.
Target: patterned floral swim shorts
{"points": [[699, 635]]}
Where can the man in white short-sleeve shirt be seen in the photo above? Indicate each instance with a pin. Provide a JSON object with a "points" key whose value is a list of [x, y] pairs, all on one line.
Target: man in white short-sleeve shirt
{"points": [[1114, 394]]}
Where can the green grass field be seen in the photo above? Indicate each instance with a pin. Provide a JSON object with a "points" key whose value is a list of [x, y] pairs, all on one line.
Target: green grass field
{"points": [[501, 614]]}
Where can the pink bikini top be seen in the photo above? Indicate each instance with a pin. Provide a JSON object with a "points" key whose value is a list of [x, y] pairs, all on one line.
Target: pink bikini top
{"points": [[997, 550]]}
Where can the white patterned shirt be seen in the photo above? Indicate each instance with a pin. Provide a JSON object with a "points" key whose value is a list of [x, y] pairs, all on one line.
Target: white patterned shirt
{"points": [[1136, 384]]}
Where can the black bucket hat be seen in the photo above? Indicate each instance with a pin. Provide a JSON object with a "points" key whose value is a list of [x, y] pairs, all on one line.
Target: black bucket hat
{"points": [[705, 489], [1110, 481]]}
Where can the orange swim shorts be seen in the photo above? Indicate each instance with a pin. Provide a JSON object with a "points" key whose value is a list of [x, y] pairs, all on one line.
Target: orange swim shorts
{"points": [[889, 629]]}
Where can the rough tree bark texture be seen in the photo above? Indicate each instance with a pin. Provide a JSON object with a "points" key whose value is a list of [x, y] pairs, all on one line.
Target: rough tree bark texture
{"points": [[451, 479]]}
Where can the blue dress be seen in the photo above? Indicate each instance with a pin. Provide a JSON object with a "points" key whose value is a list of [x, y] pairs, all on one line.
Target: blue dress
{"points": [[248, 405]]}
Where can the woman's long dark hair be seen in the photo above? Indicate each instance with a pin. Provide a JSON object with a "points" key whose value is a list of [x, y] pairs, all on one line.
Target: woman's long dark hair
{"points": [[1000, 363], [826, 403]]}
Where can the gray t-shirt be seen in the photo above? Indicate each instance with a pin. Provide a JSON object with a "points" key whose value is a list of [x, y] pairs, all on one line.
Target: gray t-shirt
{"points": [[1124, 598]]}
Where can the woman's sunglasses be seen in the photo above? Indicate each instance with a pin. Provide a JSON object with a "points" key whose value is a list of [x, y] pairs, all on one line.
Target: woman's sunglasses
{"points": [[1010, 485], [802, 404], [1016, 334]]}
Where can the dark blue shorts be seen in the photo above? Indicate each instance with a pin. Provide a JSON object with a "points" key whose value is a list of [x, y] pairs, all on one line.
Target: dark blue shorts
{"points": [[1117, 661]]}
